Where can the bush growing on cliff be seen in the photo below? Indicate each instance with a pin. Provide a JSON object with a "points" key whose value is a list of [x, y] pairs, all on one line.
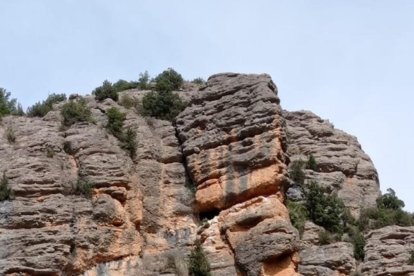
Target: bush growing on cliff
{"points": [[198, 263], [105, 91], [388, 212], [74, 112], [169, 80], [115, 121], [115, 127], [411, 259], [324, 209], [164, 105], [311, 164], [296, 172], [9, 106], [40, 109], [298, 215], [5, 192], [84, 188], [143, 81]]}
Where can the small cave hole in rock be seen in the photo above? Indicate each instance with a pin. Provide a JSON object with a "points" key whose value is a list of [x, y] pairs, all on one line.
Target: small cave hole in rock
{"points": [[209, 215]]}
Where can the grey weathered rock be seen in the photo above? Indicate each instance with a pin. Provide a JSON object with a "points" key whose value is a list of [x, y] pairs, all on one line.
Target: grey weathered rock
{"points": [[341, 163], [388, 250], [327, 260], [139, 208]]}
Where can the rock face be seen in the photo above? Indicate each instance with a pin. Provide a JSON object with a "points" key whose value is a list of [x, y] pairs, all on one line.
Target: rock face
{"points": [[341, 164], [327, 260], [139, 208], [233, 142], [231, 145], [388, 251]]}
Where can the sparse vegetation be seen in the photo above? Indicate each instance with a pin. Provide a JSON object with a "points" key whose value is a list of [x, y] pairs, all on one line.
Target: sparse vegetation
{"points": [[10, 135], [67, 147], [40, 109], [5, 192], [115, 127], [296, 172], [198, 263], [199, 81], [298, 215], [358, 241], [50, 152], [9, 106], [311, 164], [129, 102], [75, 111], [411, 259], [143, 81], [84, 188], [115, 121], [162, 105], [325, 237], [129, 142]]}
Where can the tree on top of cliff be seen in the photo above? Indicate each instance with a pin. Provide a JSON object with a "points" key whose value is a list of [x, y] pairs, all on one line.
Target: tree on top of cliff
{"points": [[7, 105], [169, 80], [390, 201]]}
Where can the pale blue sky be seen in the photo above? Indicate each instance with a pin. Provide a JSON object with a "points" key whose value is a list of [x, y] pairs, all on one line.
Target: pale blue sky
{"points": [[348, 61]]}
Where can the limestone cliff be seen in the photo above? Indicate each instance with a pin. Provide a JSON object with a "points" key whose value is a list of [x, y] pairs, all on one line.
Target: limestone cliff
{"points": [[218, 174]]}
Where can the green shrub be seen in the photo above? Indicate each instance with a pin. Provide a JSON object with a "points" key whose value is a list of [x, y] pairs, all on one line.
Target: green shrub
{"points": [[325, 237], [84, 188], [10, 135], [75, 111], [311, 164], [115, 127], [129, 142], [143, 81], [162, 105], [105, 91], [199, 81], [388, 212], [129, 102], [358, 241], [296, 172], [324, 209], [298, 215], [5, 192], [198, 263], [115, 121], [122, 85], [390, 201], [9, 106], [411, 259], [168, 81], [40, 109]]}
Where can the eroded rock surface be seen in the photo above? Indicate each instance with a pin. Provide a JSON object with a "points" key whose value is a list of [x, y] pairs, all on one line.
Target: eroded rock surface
{"points": [[233, 141], [388, 251], [140, 209], [341, 163], [327, 260]]}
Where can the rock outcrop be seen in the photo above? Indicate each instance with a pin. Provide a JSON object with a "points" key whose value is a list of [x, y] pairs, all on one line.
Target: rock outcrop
{"points": [[233, 141], [388, 251], [139, 208], [341, 164], [218, 174]]}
